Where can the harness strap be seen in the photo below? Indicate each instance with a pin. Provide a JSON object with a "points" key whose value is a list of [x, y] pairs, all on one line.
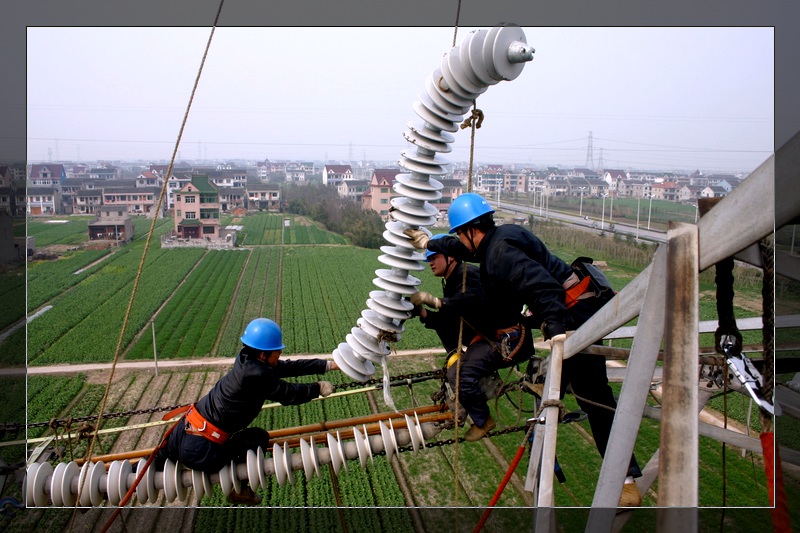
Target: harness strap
{"points": [[197, 424]]}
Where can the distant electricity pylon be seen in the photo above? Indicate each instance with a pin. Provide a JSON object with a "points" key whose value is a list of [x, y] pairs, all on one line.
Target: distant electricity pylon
{"points": [[589, 155]]}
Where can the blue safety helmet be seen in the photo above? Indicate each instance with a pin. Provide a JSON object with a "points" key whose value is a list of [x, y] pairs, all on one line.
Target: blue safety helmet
{"points": [[263, 334], [428, 253], [467, 208]]}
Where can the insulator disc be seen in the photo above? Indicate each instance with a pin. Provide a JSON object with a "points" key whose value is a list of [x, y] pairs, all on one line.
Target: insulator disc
{"points": [[410, 180], [423, 168], [431, 106], [125, 471], [457, 70], [505, 38], [180, 489], [397, 240], [40, 478], [367, 444], [56, 483], [308, 462], [429, 133], [112, 482], [93, 483], [397, 278], [387, 442], [412, 220], [197, 484], [415, 440], [395, 261], [382, 298], [423, 142], [442, 102], [336, 457], [475, 54], [403, 253], [435, 120], [278, 465], [171, 489], [361, 446], [466, 64], [341, 451], [488, 52], [67, 497], [441, 86], [412, 207], [252, 470], [381, 322], [418, 157], [141, 488], [84, 499], [388, 311], [346, 368], [374, 349], [362, 353], [452, 83], [260, 466], [287, 459], [416, 194]]}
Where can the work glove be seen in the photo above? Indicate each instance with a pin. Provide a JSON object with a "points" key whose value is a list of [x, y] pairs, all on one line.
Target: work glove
{"points": [[422, 297], [552, 329], [325, 388], [419, 237]]}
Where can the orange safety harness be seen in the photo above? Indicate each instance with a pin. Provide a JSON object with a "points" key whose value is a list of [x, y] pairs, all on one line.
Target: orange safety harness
{"points": [[197, 424]]}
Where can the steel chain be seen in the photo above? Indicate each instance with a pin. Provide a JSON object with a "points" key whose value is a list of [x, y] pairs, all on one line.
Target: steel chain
{"points": [[15, 426]]}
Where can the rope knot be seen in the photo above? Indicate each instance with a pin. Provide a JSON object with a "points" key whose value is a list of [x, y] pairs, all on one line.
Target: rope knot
{"points": [[553, 403], [85, 430], [476, 118]]}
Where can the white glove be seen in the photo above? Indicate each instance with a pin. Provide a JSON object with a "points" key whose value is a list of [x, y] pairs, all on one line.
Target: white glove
{"points": [[325, 388], [419, 238], [426, 298]]}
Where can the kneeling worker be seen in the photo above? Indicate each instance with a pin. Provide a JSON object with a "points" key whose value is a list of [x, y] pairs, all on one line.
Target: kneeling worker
{"points": [[214, 431]]}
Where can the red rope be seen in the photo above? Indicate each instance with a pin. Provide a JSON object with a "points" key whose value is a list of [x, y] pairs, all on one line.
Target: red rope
{"points": [[139, 477], [775, 486], [501, 487]]}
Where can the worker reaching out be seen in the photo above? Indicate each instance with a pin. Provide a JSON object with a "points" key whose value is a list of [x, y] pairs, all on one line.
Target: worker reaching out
{"points": [[518, 272], [214, 431], [481, 357]]}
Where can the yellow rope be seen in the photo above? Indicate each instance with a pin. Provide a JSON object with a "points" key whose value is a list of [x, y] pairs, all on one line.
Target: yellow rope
{"points": [[117, 351]]}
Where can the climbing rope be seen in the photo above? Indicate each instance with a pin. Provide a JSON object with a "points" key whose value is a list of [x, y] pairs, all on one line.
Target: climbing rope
{"points": [[162, 194]]}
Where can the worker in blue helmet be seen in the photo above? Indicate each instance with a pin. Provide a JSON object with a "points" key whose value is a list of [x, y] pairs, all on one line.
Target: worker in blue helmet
{"points": [[214, 431], [457, 317], [518, 273]]}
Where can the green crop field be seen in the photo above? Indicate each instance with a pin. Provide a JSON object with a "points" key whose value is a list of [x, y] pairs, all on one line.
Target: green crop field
{"points": [[315, 286]]}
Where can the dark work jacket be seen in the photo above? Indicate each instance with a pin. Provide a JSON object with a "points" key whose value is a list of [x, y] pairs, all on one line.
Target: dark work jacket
{"points": [[455, 304], [236, 399], [516, 268]]}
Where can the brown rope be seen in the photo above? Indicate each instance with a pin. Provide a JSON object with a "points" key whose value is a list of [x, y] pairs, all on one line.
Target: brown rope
{"points": [[118, 349], [455, 29]]}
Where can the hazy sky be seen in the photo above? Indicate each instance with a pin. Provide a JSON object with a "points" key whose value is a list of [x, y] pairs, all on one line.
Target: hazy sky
{"points": [[653, 98]]}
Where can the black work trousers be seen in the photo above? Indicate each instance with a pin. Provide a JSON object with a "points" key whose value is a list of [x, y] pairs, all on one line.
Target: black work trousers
{"points": [[199, 453], [586, 375]]}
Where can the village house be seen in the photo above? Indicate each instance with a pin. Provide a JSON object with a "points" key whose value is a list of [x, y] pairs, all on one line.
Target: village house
{"points": [[231, 198], [197, 209], [87, 202], [133, 200], [380, 191], [263, 196], [113, 223], [47, 175], [335, 174], [353, 189], [43, 200]]}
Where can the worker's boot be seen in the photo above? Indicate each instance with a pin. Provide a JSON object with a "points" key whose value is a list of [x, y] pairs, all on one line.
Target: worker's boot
{"points": [[630, 497], [246, 497], [478, 432]]}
